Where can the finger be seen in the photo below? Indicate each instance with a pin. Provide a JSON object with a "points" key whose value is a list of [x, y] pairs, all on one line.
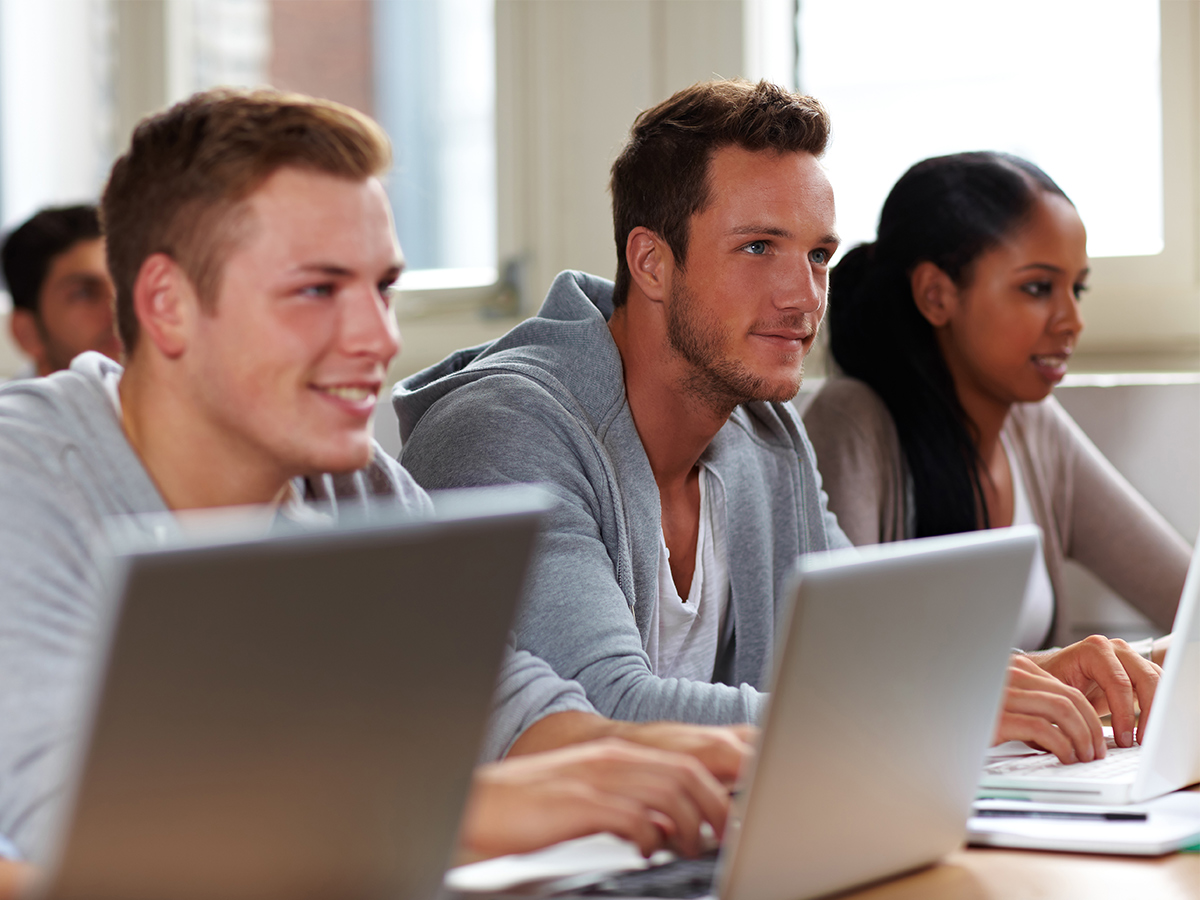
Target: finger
{"points": [[649, 829], [1083, 728], [709, 795], [1103, 667], [689, 794], [690, 778], [1145, 684], [664, 795], [1038, 731], [725, 756], [1071, 717], [675, 784], [748, 733]]}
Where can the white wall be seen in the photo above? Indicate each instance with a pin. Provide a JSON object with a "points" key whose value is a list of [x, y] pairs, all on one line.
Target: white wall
{"points": [[1149, 428], [571, 79]]}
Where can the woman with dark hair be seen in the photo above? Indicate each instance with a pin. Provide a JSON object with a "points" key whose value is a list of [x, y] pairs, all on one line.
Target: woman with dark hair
{"points": [[953, 327]]}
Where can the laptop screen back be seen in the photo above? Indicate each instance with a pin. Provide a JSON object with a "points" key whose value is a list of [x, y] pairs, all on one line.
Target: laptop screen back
{"points": [[294, 716], [882, 705]]}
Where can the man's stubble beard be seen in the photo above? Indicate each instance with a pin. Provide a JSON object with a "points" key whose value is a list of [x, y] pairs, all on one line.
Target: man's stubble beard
{"points": [[715, 379]]}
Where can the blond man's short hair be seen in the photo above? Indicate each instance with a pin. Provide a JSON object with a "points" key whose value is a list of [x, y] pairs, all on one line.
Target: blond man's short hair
{"points": [[181, 187]]}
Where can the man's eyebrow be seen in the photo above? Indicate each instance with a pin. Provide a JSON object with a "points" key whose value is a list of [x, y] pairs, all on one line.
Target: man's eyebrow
{"points": [[773, 230], [326, 269], [776, 231]]}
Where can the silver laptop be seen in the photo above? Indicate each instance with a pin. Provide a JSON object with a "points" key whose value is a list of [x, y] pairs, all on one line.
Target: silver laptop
{"points": [[885, 694], [1167, 759], [298, 715]]}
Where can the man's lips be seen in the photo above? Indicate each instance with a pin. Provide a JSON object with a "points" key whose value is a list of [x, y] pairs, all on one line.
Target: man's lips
{"points": [[786, 337], [355, 397]]}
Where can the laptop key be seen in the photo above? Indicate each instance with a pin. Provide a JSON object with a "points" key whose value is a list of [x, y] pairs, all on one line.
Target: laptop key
{"points": [[1119, 761], [680, 879]]}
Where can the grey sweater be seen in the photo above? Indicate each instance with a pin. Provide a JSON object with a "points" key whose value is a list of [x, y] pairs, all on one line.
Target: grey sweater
{"points": [[546, 403], [66, 466]]}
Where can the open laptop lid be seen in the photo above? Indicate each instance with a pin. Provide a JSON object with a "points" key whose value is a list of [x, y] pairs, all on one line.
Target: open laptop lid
{"points": [[296, 715], [883, 702], [1170, 757]]}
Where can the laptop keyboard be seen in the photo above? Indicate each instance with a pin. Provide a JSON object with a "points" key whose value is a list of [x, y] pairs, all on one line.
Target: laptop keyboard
{"points": [[1120, 761], [682, 879]]}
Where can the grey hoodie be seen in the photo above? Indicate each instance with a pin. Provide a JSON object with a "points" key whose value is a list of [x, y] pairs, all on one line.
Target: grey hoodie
{"points": [[65, 466], [546, 403]]}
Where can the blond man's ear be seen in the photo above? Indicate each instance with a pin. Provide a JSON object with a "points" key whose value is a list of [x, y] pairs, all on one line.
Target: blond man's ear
{"points": [[164, 302]]}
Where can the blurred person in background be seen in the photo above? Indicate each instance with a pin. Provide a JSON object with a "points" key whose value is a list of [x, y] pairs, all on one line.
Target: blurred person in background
{"points": [[62, 295]]}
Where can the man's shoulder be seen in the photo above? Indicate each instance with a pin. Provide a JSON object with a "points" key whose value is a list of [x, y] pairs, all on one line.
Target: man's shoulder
{"points": [[53, 411], [562, 361]]}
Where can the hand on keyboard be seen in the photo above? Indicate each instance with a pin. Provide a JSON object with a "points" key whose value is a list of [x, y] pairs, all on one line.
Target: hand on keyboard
{"points": [[655, 798], [1043, 711], [1112, 676]]}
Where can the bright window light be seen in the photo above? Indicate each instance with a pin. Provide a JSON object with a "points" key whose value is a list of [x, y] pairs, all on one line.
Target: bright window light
{"points": [[435, 89], [1074, 87]]}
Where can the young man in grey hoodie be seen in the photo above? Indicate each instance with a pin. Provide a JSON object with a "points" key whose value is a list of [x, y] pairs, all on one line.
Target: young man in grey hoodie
{"points": [[657, 409], [253, 252]]}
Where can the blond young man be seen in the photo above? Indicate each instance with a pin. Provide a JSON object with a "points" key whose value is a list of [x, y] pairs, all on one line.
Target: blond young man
{"points": [[252, 249]]}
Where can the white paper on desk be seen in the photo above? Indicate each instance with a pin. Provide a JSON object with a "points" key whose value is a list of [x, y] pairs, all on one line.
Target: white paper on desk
{"points": [[1172, 822], [597, 853]]}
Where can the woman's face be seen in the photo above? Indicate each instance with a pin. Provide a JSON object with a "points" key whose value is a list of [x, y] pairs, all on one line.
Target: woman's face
{"points": [[1012, 328]]}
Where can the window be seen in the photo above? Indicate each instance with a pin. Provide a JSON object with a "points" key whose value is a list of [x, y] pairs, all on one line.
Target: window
{"points": [[56, 104], [1103, 95], [1073, 87], [435, 95]]}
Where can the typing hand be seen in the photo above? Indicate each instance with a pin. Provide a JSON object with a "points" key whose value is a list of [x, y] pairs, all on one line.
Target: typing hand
{"points": [[723, 750], [654, 798], [1110, 675], [1042, 710]]}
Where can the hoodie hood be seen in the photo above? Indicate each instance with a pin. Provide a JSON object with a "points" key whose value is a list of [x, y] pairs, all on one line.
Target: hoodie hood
{"points": [[573, 322]]}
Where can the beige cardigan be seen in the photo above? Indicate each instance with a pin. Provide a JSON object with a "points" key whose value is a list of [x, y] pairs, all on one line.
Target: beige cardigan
{"points": [[1086, 509]]}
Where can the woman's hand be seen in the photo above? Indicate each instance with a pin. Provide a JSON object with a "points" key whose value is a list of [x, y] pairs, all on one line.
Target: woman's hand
{"points": [[1043, 711], [1054, 699], [1112, 676]]}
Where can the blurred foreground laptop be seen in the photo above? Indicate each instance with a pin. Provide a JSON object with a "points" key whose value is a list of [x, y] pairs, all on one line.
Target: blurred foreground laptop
{"points": [[1166, 760], [883, 701], [297, 715]]}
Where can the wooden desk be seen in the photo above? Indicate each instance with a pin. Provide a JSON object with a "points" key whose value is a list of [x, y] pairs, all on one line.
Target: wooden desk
{"points": [[987, 874], [980, 873]]}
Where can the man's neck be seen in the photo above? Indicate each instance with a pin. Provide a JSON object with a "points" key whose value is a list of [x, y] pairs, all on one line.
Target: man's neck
{"points": [[193, 465], [675, 425]]}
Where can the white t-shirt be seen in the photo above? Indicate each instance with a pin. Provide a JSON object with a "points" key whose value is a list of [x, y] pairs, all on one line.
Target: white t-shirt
{"points": [[1037, 612], [685, 636]]}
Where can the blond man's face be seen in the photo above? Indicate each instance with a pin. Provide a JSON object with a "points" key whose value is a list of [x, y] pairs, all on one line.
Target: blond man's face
{"points": [[290, 361]]}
